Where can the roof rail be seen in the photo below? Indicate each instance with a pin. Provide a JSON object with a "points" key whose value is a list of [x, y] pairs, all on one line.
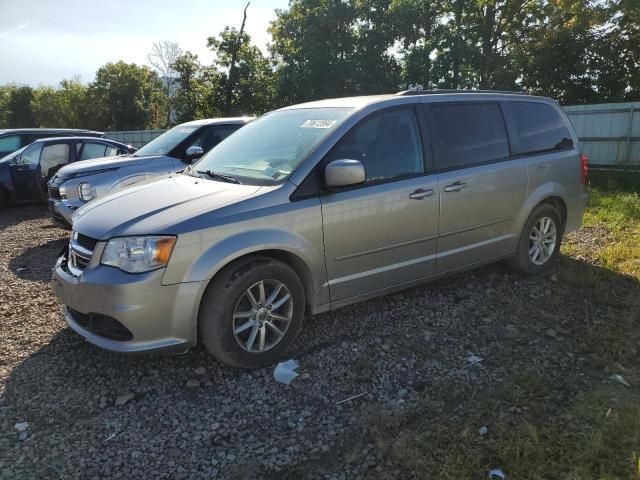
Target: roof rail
{"points": [[446, 90]]}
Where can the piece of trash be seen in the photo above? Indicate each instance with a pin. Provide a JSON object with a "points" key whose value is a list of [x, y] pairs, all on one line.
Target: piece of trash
{"points": [[124, 398], [284, 372], [620, 379], [474, 359], [351, 398], [482, 431], [21, 426], [496, 473], [21, 269], [110, 437]]}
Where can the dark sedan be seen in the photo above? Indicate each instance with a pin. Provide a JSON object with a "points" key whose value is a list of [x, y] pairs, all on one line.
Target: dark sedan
{"points": [[16, 138], [24, 173]]}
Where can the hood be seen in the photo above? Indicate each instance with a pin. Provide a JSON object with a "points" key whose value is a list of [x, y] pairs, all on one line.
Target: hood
{"points": [[104, 163], [153, 207]]}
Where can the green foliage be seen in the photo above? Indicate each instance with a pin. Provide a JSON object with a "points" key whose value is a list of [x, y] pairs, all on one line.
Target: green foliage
{"points": [[578, 51], [15, 102], [126, 96]]}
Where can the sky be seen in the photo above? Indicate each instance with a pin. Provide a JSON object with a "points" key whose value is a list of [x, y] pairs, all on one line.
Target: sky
{"points": [[45, 41]]}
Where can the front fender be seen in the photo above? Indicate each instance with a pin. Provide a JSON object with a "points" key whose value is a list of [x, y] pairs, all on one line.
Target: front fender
{"points": [[217, 255]]}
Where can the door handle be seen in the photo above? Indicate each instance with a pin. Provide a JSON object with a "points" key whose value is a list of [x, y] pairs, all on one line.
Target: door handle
{"points": [[455, 187], [421, 193]]}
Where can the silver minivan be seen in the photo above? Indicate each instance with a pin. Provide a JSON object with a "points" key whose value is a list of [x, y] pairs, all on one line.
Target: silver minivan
{"points": [[317, 206]]}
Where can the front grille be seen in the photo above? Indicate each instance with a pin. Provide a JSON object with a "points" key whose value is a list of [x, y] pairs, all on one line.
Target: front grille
{"points": [[80, 252], [85, 242], [54, 193], [102, 325]]}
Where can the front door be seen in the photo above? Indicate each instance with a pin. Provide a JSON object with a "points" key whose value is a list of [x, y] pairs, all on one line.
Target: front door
{"points": [[25, 174], [481, 189], [382, 233]]}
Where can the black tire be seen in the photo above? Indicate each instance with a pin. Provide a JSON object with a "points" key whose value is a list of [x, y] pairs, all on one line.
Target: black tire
{"points": [[227, 291], [522, 260]]}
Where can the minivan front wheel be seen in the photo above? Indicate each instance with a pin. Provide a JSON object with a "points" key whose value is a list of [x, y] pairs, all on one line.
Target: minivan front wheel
{"points": [[539, 242], [251, 313]]}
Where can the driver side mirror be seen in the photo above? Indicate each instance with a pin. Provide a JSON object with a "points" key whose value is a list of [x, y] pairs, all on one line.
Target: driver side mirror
{"points": [[344, 173], [193, 152]]}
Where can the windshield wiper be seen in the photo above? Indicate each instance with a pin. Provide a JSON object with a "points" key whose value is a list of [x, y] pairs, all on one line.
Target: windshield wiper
{"points": [[219, 176]]}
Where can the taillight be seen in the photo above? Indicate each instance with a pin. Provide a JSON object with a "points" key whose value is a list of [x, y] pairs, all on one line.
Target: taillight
{"points": [[584, 169]]}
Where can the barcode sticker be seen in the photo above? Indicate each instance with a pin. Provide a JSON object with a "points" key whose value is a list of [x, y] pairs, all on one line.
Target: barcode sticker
{"points": [[318, 124]]}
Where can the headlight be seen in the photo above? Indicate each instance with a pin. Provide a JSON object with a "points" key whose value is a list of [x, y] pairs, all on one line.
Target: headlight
{"points": [[86, 192], [138, 254]]}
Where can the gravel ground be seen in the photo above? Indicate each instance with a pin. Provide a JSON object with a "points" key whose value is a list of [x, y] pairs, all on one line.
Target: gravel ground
{"points": [[93, 414]]}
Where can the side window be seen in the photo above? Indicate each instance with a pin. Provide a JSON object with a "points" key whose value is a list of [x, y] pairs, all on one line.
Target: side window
{"points": [[216, 135], [10, 143], [53, 157], [388, 145], [211, 136], [111, 151], [92, 150], [31, 156], [468, 134], [541, 127]]}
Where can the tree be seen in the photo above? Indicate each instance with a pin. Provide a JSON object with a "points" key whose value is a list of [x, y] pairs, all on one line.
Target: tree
{"points": [[313, 42], [251, 88], [163, 57], [190, 87], [126, 97], [17, 102]]}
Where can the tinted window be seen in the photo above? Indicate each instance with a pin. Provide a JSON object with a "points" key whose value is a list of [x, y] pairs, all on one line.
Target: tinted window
{"points": [[541, 127], [112, 151], [31, 155], [466, 135], [212, 136], [388, 145], [10, 143], [53, 157], [93, 150]]}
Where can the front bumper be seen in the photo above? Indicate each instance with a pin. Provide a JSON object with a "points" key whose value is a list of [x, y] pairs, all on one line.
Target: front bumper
{"points": [[158, 317], [60, 213]]}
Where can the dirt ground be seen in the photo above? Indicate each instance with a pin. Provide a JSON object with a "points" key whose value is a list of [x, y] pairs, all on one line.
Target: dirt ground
{"points": [[429, 366]]}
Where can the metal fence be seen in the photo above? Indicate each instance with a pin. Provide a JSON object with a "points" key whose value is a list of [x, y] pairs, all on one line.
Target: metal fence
{"points": [[137, 138], [609, 134]]}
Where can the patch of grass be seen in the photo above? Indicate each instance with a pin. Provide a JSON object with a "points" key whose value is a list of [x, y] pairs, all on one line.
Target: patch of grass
{"points": [[597, 437], [615, 217]]}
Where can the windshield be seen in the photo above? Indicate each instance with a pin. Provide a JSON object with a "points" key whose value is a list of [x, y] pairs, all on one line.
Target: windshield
{"points": [[167, 141], [12, 155], [267, 150]]}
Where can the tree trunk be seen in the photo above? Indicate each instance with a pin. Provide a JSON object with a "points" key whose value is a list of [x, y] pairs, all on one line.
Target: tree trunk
{"points": [[231, 81]]}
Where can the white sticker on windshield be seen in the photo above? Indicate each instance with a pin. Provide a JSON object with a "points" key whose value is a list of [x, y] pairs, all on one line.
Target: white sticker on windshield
{"points": [[318, 124]]}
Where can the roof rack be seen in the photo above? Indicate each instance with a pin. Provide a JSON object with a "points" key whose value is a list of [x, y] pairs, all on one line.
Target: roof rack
{"points": [[445, 91]]}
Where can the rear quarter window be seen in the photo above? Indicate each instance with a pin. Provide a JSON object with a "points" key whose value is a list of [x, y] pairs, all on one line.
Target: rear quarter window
{"points": [[540, 128]]}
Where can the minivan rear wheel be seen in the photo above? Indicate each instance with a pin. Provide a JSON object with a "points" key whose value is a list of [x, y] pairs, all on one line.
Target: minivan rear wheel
{"points": [[539, 242], [251, 313]]}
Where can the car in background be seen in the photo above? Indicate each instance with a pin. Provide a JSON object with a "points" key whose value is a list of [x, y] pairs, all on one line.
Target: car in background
{"points": [[15, 138], [75, 185], [24, 173]]}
